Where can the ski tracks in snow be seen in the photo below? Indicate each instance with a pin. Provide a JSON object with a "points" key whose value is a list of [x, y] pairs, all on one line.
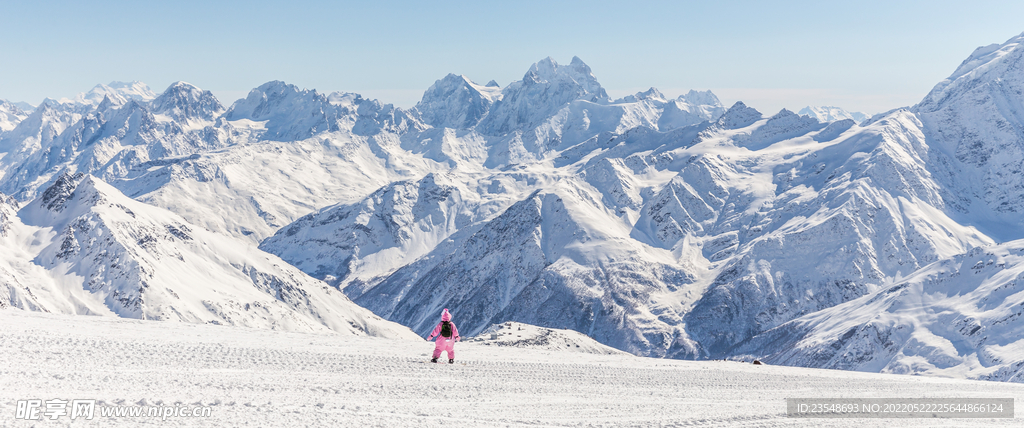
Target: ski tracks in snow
{"points": [[271, 378]]}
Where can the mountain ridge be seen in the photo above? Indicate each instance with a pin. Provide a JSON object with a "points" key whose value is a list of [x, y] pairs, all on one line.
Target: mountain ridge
{"points": [[664, 227]]}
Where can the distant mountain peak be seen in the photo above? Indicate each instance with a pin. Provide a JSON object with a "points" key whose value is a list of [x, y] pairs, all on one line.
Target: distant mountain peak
{"points": [[10, 115], [650, 94], [184, 101], [986, 64], [456, 102], [831, 114], [739, 116], [701, 98], [545, 88], [135, 90], [548, 70]]}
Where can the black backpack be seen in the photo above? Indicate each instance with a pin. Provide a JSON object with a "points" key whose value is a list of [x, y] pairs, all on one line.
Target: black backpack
{"points": [[446, 328]]}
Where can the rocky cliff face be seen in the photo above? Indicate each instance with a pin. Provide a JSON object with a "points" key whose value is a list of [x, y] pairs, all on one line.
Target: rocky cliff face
{"points": [[973, 121]]}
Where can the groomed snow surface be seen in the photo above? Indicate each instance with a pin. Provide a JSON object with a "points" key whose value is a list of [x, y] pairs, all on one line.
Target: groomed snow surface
{"points": [[267, 378]]}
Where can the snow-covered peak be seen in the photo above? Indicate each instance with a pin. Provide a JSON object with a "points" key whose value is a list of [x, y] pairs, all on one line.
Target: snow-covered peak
{"points": [[117, 91], [987, 64], [25, 107], [973, 124], [349, 100], [10, 115], [11, 108], [738, 116], [690, 108], [783, 125], [184, 102], [456, 102], [140, 261], [55, 197], [969, 326], [271, 98], [135, 90], [578, 72], [652, 94], [374, 235], [831, 114], [701, 98], [290, 113], [545, 89], [38, 128]]}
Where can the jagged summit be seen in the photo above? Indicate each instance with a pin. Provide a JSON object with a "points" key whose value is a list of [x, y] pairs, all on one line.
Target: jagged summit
{"points": [[290, 113], [185, 102], [456, 102], [126, 258], [578, 72], [738, 116], [701, 98], [652, 94], [974, 124], [545, 88], [985, 65], [10, 115]]}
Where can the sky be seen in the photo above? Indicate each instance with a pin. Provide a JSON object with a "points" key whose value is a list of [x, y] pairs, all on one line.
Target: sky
{"points": [[868, 56]]}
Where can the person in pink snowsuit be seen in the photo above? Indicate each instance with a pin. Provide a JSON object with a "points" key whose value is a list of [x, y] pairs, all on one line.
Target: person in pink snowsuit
{"points": [[447, 334]]}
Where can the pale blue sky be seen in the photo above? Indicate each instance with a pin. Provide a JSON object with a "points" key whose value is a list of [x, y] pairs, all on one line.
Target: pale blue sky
{"points": [[868, 56]]}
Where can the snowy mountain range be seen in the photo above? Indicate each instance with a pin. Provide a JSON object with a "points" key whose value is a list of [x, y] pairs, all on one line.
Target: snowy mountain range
{"points": [[85, 248], [831, 114], [10, 116], [663, 227]]}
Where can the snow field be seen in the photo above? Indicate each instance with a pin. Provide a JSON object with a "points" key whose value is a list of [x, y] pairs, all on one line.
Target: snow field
{"points": [[272, 378]]}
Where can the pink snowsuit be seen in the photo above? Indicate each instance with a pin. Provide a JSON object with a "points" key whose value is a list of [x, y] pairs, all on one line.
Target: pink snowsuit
{"points": [[445, 343]]}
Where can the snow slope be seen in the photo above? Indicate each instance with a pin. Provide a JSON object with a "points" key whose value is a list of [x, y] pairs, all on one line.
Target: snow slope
{"points": [[958, 317], [275, 378], [10, 116], [974, 121], [105, 254], [22, 282], [526, 336]]}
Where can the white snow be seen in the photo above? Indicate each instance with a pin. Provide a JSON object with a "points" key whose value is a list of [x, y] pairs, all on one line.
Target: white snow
{"points": [[831, 114], [119, 92], [10, 116], [660, 227], [85, 248], [273, 378]]}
